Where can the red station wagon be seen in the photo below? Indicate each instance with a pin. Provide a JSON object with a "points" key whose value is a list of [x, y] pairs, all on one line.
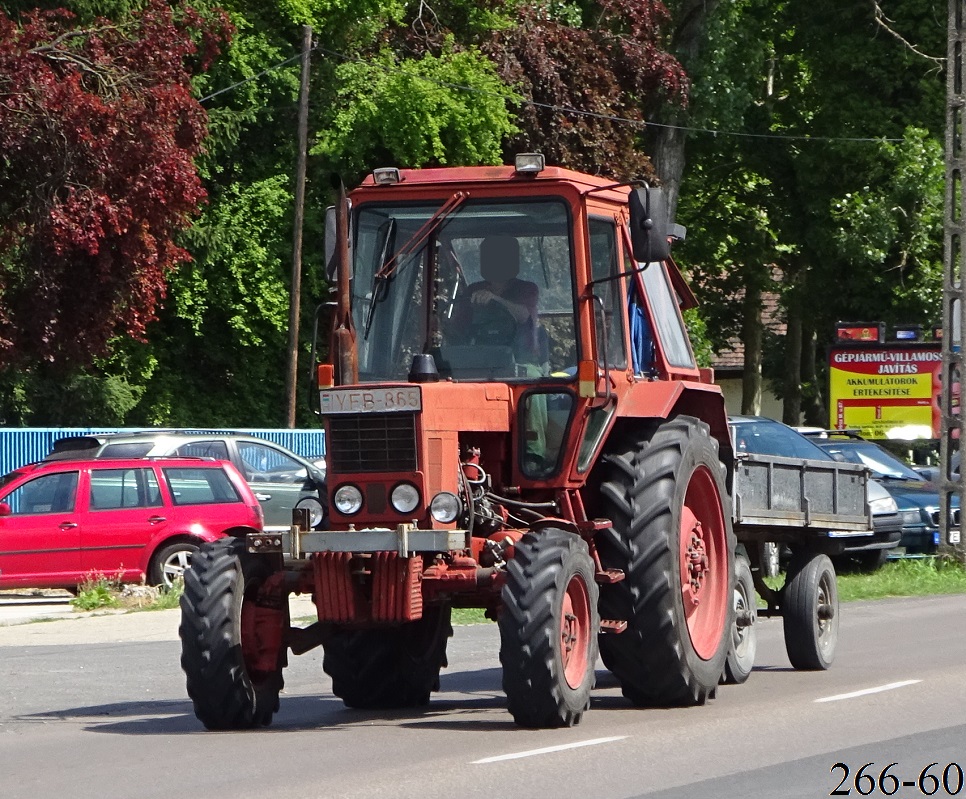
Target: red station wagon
{"points": [[134, 519]]}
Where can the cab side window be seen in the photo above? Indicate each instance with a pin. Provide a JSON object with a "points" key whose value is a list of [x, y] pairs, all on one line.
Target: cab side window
{"points": [[671, 332], [610, 321]]}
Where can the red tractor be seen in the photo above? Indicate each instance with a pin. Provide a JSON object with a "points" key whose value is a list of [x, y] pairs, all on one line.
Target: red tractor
{"points": [[514, 421]]}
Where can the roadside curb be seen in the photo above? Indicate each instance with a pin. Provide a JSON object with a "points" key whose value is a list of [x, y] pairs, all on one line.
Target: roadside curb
{"points": [[123, 625]]}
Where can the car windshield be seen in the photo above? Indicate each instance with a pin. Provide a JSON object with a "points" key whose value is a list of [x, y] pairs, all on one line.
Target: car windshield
{"points": [[883, 464], [768, 437], [501, 304]]}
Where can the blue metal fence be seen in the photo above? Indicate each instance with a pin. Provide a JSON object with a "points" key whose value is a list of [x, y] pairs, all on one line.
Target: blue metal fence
{"points": [[23, 445]]}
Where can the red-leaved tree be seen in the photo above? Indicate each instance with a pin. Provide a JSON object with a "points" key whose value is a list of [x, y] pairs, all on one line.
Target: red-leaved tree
{"points": [[609, 70], [98, 135]]}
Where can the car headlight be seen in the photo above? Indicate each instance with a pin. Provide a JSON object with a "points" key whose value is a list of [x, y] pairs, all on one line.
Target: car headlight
{"points": [[404, 498], [347, 499], [315, 509], [445, 507], [911, 518], [883, 505]]}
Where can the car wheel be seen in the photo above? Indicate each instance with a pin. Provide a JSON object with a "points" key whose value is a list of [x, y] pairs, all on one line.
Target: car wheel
{"points": [[170, 563]]}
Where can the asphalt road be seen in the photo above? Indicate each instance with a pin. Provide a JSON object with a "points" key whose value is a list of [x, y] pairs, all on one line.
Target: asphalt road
{"points": [[96, 707]]}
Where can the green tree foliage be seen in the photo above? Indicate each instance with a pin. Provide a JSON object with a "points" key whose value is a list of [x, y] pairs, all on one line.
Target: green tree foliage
{"points": [[427, 111], [827, 173], [839, 228]]}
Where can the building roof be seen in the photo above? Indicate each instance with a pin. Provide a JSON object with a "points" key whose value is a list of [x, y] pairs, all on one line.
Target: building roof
{"points": [[732, 357]]}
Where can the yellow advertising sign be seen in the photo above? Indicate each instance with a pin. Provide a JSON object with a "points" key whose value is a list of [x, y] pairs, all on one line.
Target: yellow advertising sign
{"points": [[886, 390]]}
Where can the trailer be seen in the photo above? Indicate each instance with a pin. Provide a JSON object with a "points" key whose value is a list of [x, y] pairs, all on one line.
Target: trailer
{"points": [[813, 507]]}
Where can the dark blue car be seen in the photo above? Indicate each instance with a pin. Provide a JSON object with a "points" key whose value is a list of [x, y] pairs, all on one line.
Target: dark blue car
{"points": [[918, 499]]}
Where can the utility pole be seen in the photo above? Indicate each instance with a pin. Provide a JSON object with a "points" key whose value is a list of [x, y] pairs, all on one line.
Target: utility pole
{"points": [[954, 285], [296, 291]]}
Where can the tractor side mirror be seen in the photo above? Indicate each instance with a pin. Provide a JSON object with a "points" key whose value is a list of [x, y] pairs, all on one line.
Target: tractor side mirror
{"points": [[649, 225], [331, 266]]}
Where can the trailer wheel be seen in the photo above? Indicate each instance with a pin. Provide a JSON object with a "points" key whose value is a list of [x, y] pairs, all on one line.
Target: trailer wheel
{"points": [[672, 536], [395, 667], [744, 637], [811, 612], [548, 629], [232, 639]]}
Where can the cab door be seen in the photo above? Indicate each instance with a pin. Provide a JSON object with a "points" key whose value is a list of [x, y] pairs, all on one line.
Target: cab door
{"points": [[40, 537]]}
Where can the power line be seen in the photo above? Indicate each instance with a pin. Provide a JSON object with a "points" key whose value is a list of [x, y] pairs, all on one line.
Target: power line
{"points": [[261, 74], [560, 109]]}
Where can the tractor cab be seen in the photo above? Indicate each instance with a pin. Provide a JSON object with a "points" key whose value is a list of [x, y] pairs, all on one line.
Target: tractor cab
{"points": [[525, 277]]}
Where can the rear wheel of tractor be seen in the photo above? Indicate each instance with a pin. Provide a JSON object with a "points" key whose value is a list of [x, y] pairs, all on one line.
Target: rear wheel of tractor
{"points": [[671, 535], [232, 649], [810, 600], [744, 637], [548, 629], [387, 668]]}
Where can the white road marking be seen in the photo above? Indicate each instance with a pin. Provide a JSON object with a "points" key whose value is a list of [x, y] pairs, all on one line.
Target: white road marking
{"points": [[878, 689], [547, 749]]}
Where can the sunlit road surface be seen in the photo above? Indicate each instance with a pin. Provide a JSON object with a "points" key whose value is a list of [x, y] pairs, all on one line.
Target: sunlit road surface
{"points": [[97, 708]]}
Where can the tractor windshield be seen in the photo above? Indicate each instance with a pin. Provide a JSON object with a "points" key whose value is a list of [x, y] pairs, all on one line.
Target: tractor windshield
{"points": [[486, 287]]}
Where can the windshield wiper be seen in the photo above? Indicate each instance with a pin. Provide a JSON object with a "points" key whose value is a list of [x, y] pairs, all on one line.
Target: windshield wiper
{"points": [[380, 284], [380, 280]]}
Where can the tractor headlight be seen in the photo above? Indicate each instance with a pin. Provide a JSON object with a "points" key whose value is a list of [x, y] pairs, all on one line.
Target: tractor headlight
{"points": [[404, 498], [445, 507], [347, 499], [314, 507]]}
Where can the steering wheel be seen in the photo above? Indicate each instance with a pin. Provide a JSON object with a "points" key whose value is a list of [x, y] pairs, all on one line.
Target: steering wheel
{"points": [[493, 324]]}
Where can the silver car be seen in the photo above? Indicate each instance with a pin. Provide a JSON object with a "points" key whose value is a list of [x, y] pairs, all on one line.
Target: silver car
{"points": [[280, 479]]}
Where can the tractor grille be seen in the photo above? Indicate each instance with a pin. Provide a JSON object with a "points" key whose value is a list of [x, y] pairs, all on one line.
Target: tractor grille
{"points": [[372, 442]]}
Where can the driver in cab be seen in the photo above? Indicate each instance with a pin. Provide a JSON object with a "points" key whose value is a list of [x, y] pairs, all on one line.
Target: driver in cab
{"points": [[501, 308]]}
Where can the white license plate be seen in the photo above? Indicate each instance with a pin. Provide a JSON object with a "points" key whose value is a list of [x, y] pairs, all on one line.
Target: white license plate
{"points": [[365, 400]]}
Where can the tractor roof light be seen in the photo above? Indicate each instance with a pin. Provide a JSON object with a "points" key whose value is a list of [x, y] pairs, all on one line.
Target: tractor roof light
{"points": [[528, 163], [386, 176]]}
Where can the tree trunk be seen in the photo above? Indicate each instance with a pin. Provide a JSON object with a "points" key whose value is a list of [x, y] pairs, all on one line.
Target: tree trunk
{"points": [[751, 336], [792, 402], [816, 411], [666, 144], [667, 154]]}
